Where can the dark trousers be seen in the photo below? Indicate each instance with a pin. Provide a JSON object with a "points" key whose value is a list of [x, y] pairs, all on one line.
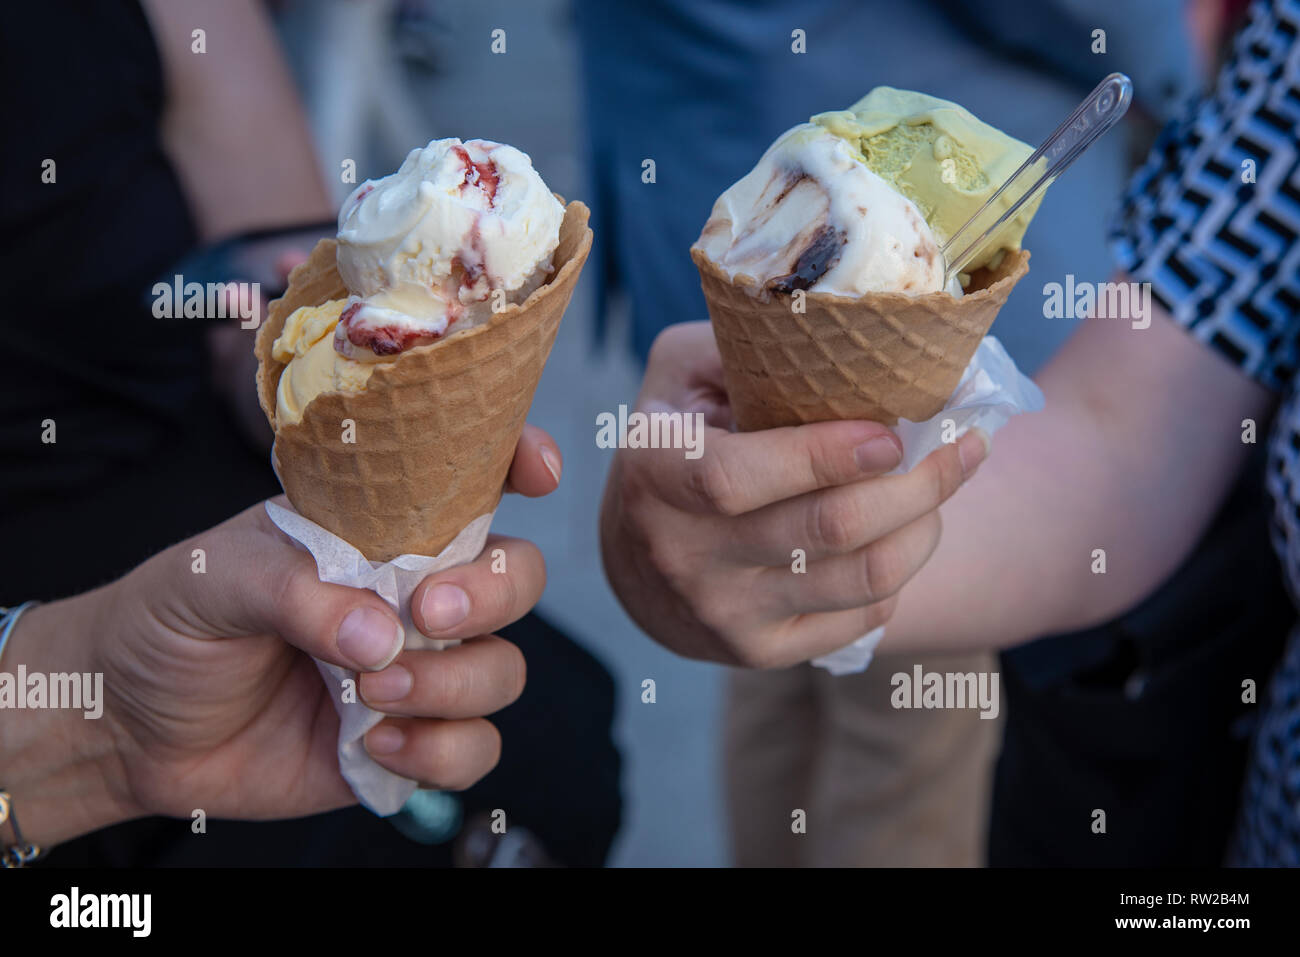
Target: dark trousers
{"points": [[1142, 720]]}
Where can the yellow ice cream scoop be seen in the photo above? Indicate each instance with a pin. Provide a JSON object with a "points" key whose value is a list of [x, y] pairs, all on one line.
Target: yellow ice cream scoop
{"points": [[939, 156], [314, 366]]}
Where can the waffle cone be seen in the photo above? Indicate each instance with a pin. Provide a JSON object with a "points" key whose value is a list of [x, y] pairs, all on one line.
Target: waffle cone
{"points": [[435, 430], [881, 357]]}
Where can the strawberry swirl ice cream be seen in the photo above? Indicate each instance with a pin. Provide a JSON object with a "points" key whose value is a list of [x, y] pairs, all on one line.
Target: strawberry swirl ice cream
{"points": [[458, 231]]}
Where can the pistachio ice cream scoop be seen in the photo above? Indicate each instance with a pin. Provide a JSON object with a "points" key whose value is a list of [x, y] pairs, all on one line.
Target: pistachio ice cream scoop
{"points": [[862, 200], [939, 156]]}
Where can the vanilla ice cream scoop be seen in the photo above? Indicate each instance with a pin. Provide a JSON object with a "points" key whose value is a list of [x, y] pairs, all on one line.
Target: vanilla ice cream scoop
{"points": [[811, 215], [458, 230], [313, 365]]}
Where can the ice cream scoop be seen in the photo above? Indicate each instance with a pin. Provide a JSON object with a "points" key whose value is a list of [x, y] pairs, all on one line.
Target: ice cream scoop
{"points": [[812, 215], [938, 155], [313, 365], [428, 248], [460, 231], [861, 201]]}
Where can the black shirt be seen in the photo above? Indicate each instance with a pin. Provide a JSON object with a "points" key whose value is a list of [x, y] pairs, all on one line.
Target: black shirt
{"points": [[146, 454]]}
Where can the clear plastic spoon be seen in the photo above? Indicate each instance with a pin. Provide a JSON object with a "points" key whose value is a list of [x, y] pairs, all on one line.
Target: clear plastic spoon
{"points": [[1099, 112]]}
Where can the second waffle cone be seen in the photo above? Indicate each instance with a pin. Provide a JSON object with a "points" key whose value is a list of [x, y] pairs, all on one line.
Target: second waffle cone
{"points": [[881, 357]]}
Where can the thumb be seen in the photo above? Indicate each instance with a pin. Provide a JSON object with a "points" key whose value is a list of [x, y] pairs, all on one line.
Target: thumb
{"points": [[536, 467], [351, 627], [257, 582]]}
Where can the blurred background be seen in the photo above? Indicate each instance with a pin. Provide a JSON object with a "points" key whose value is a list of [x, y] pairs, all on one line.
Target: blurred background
{"points": [[211, 148], [589, 90]]}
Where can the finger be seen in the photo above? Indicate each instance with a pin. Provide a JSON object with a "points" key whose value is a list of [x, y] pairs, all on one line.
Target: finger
{"points": [[447, 755], [870, 574], [741, 472], [498, 587], [350, 627], [684, 373], [841, 520], [465, 681], [811, 636], [259, 583], [537, 465], [683, 357]]}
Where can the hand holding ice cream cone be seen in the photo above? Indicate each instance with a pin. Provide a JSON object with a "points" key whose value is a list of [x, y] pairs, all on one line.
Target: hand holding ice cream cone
{"points": [[707, 554], [832, 319], [397, 371]]}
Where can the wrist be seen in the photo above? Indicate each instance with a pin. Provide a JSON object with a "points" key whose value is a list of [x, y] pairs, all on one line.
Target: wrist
{"points": [[57, 761]]}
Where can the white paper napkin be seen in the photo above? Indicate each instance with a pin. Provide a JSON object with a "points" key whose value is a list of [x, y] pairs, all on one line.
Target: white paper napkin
{"points": [[990, 392], [339, 563]]}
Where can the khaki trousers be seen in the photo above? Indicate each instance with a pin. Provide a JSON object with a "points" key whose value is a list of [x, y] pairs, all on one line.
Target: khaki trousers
{"points": [[880, 786]]}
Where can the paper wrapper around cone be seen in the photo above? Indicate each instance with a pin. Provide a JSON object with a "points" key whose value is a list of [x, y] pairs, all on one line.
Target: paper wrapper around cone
{"points": [[882, 357], [435, 429]]}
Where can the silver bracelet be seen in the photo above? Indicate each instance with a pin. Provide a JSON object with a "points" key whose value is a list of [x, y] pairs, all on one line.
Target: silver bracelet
{"points": [[9, 621], [21, 852]]}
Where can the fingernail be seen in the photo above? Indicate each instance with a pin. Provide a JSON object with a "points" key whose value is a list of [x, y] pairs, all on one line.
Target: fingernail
{"points": [[973, 448], [552, 463], [392, 684], [879, 454], [370, 638], [384, 739], [444, 606]]}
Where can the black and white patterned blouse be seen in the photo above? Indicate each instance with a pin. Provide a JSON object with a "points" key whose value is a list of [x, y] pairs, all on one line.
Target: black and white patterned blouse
{"points": [[1211, 220]]}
